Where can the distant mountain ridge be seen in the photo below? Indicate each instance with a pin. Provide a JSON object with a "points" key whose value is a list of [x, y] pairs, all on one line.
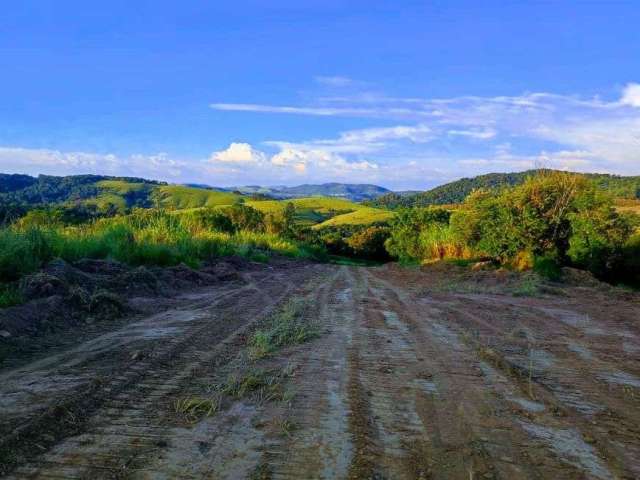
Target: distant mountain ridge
{"points": [[356, 192]]}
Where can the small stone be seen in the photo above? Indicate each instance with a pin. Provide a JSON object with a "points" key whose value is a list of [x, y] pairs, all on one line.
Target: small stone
{"points": [[4, 334]]}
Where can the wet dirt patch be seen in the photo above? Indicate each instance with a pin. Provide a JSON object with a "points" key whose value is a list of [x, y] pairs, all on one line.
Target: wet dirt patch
{"points": [[571, 448]]}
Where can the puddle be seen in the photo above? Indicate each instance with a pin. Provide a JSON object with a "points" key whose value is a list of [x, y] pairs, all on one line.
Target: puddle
{"points": [[570, 448]]}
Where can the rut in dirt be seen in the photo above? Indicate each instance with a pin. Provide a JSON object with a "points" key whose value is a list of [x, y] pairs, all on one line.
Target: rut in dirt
{"points": [[405, 381]]}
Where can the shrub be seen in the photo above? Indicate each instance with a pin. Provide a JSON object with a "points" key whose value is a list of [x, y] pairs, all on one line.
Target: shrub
{"points": [[369, 243]]}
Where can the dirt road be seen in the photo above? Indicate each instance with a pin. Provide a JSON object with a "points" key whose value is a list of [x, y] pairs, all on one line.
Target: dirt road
{"points": [[413, 376]]}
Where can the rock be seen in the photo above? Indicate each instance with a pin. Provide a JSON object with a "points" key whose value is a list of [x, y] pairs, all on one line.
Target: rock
{"points": [[4, 334]]}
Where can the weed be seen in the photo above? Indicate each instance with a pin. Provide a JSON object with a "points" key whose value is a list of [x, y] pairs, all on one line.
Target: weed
{"points": [[262, 385], [528, 287], [261, 472], [10, 296], [287, 327], [285, 426], [195, 408]]}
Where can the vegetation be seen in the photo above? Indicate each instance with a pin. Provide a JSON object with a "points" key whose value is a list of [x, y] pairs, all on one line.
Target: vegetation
{"points": [[287, 327], [175, 197], [145, 237], [456, 192], [362, 216], [539, 219], [194, 409], [353, 192], [551, 219]]}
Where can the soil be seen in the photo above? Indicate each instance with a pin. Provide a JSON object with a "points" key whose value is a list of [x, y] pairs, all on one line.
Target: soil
{"points": [[440, 372]]}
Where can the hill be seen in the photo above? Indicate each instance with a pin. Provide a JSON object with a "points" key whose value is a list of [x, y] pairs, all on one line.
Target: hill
{"points": [[96, 189], [354, 192], [456, 192], [323, 211]]}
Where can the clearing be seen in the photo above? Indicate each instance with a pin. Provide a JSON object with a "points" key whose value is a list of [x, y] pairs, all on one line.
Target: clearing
{"points": [[440, 372]]}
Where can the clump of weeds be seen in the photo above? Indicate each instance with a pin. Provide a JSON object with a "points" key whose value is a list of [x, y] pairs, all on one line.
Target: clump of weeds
{"points": [[287, 327], [194, 409], [261, 385]]}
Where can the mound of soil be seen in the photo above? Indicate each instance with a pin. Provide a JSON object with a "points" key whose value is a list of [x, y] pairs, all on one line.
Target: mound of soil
{"points": [[64, 295]]}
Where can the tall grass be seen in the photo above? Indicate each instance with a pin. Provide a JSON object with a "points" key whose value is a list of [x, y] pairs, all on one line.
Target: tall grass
{"points": [[146, 237]]}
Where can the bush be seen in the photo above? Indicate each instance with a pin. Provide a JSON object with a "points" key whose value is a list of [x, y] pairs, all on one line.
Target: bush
{"points": [[423, 234], [369, 243], [552, 219]]}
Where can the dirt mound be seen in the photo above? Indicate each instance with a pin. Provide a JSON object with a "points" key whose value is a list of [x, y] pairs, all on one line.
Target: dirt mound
{"points": [[42, 285], [138, 281], [37, 317], [574, 276], [64, 295], [101, 267], [182, 276]]}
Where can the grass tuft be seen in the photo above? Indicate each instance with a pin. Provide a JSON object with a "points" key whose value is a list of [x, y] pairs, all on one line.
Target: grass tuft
{"points": [[194, 409], [287, 327]]}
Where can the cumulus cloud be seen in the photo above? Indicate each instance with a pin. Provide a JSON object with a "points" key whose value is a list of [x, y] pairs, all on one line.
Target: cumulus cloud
{"points": [[631, 95], [240, 153], [535, 123], [56, 162]]}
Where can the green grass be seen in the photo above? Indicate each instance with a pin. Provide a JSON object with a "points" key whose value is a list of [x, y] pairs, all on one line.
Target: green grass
{"points": [[322, 212], [286, 327], [262, 385], [180, 197], [194, 409], [120, 187], [362, 216], [353, 262], [147, 237], [9, 296]]}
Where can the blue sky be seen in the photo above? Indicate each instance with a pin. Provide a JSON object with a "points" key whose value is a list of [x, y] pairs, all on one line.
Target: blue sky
{"points": [[403, 94]]}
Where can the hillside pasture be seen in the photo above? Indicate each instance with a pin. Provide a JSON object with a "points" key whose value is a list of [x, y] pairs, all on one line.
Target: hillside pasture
{"points": [[179, 197]]}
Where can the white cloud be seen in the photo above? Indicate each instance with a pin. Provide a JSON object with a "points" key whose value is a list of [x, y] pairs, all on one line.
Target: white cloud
{"points": [[240, 153], [483, 134], [334, 81], [631, 95], [56, 162]]}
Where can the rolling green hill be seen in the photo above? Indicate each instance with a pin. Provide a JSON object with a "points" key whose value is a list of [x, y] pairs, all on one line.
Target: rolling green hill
{"points": [[456, 192], [325, 211], [180, 197]]}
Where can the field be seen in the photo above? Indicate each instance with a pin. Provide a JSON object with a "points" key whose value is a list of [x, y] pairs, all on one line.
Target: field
{"points": [[303, 370], [322, 212], [179, 197], [628, 205]]}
